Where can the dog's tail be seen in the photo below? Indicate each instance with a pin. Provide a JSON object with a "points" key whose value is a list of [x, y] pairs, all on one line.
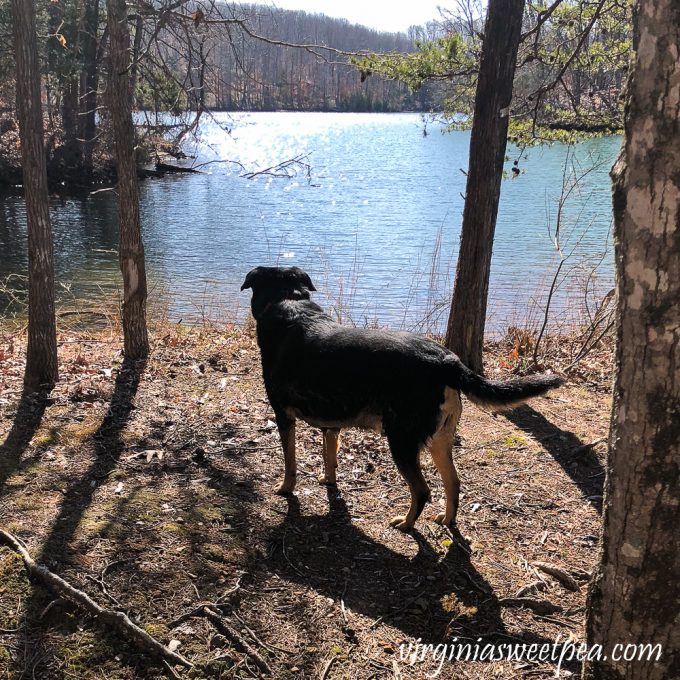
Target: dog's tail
{"points": [[496, 395]]}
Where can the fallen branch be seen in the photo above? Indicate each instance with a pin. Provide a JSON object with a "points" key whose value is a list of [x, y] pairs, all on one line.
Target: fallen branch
{"points": [[241, 644], [559, 574], [117, 620], [169, 168], [281, 169], [264, 645], [535, 604]]}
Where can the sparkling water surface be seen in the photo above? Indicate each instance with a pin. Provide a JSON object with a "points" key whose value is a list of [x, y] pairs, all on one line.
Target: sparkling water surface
{"points": [[371, 209]]}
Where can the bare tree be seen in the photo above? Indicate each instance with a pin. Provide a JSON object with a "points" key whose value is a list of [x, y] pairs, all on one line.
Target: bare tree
{"points": [[131, 248], [635, 595], [41, 355], [502, 33]]}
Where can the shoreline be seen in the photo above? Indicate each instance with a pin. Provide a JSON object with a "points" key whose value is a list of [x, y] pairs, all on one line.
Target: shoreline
{"points": [[506, 356]]}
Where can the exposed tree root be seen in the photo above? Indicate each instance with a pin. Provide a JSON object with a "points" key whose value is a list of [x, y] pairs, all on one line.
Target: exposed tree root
{"points": [[116, 620]]}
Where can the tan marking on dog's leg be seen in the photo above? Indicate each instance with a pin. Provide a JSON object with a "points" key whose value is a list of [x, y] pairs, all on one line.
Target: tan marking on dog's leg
{"points": [[287, 435], [442, 456], [331, 444], [441, 448]]}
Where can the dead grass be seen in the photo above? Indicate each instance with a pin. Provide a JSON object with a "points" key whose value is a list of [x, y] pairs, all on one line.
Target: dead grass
{"points": [[152, 491]]}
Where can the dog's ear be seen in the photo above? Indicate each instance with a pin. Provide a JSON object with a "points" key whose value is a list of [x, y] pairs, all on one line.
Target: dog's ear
{"points": [[251, 278], [303, 277]]}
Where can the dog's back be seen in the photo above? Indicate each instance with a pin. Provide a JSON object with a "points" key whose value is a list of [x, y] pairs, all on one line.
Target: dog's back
{"points": [[336, 376]]}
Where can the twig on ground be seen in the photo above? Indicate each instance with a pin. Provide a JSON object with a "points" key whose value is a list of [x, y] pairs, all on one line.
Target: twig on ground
{"points": [[58, 602], [404, 607], [262, 644], [327, 667], [584, 448], [239, 641], [536, 605]]}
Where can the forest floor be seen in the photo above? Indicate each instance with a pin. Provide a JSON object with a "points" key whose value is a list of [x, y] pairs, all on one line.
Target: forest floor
{"points": [[150, 488]]}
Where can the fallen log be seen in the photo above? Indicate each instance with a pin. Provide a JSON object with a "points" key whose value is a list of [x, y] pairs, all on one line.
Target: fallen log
{"points": [[168, 167]]}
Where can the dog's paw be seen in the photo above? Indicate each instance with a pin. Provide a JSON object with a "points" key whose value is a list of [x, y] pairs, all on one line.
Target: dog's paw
{"points": [[443, 520], [284, 489], [324, 481], [399, 522]]}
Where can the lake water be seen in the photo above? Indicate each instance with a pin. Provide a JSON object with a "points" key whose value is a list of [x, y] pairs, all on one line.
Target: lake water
{"points": [[373, 213]]}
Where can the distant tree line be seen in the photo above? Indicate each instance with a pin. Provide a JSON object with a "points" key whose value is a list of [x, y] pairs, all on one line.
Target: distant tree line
{"points": [[243, 73]]}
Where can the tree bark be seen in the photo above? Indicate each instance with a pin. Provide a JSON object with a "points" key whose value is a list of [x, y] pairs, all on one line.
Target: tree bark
{"points": [[41, 354], [635, 594], [131, 249], [502, 32]]}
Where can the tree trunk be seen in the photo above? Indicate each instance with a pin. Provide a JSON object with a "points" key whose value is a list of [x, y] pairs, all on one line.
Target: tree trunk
{"points": [[89, 82], [131, 250], [502, 31], [41, 354], [635, 595]]}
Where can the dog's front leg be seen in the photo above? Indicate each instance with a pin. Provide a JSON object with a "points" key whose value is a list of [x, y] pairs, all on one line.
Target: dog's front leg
{"points": [[287, 433], [331, 443]]}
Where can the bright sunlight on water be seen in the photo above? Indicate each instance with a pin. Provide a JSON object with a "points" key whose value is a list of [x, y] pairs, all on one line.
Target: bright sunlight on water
{"points": [[371, 209]]}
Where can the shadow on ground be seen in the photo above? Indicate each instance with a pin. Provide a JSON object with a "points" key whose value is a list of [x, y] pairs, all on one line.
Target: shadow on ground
{"points": [[134, 552], [430, 597], [54, 551], [577, 459], [26, 423]]}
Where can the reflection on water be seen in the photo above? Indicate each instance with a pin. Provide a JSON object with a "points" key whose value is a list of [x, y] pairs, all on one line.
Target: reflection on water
{"points": [[376, 223]]}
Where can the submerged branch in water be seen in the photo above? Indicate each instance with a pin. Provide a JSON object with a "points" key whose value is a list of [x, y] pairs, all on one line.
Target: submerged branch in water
{"points": [[281, 169]]}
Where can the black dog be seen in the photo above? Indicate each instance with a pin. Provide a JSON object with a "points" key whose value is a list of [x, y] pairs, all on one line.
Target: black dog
{"points": [[401, 384]]}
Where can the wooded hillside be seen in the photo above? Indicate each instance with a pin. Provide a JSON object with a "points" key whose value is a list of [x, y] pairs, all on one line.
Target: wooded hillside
{"points": [[247, 74]]}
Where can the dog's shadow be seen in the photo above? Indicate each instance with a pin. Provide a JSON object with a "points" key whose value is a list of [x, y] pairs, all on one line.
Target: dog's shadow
{"points": [[433, 596]]}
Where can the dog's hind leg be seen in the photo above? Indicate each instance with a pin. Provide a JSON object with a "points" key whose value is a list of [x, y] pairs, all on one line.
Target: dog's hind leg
{"points": [[287, 433], [331, 444], [441, 448], [406, 455]]}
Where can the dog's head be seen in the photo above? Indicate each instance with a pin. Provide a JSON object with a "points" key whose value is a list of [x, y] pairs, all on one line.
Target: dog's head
{"points": [[274, 284]]}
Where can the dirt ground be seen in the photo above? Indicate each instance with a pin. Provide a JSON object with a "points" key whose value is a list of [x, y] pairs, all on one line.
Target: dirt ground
{"points": [[150, 488]]}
